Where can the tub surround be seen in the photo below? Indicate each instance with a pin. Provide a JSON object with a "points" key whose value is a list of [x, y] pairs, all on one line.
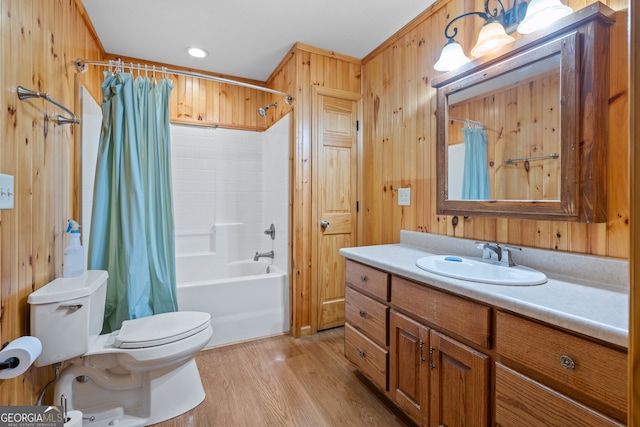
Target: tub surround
{"points": [[584, 294], [245, 299]]}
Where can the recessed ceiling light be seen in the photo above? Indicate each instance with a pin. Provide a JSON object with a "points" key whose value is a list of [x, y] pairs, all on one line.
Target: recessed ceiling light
{"points": [[197, 52]]}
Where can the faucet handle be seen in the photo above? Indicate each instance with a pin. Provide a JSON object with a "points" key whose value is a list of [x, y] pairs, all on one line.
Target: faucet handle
{"points": [[506, 254], [488, 249]]}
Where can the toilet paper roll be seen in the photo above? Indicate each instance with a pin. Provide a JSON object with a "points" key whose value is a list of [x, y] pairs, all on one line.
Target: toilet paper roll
{"points": [[26, 350], [75, 419]]}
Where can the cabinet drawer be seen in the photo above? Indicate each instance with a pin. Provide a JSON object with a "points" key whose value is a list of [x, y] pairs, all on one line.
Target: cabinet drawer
{"points": [[458, 315], [367, 279], [521, 401], [367, 315], [592, 369], [370, 359]]}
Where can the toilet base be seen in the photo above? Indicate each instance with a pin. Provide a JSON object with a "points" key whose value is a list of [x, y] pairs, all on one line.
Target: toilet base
{"points": [[131, 399]]}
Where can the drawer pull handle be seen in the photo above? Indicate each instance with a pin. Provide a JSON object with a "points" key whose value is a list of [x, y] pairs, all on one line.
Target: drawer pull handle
{"points": [[431, 364], [362, 313], [363, 278], [567, 362], [361, 352]]}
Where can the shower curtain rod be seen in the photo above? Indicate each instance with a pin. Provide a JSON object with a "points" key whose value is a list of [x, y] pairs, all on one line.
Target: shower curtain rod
{"points": [[81, 65], [455, 119]]}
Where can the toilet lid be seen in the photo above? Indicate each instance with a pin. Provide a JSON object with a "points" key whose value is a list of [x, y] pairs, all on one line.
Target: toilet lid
{"points": [[161, 329]]}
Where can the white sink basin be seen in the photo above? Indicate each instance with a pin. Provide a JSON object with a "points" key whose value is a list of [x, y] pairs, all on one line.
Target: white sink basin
{"points": [[480, 270]]}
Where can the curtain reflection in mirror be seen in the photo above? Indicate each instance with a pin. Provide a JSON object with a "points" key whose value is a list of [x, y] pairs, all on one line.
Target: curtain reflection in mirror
{"points": [[475, 182]]}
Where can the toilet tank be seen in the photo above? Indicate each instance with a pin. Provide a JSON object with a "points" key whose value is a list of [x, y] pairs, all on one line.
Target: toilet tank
{"points": [[67, 315]]}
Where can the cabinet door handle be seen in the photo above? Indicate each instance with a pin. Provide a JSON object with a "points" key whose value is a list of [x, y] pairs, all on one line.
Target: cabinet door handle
{"points": [[362, 313], [422, 359], [567, 362], [361, 352], [363, 278], [325, 224], [431, 364]]}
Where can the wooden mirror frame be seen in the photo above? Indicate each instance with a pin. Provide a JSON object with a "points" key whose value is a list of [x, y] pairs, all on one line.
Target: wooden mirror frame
{"points": [[582, 40]]}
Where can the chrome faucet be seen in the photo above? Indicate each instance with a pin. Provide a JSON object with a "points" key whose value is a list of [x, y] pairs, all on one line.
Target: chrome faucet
{"points": [[494, 251], [490, 251], [263, 255]]}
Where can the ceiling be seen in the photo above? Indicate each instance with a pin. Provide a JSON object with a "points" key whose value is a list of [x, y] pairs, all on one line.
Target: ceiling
{"points": [[245, 38]]}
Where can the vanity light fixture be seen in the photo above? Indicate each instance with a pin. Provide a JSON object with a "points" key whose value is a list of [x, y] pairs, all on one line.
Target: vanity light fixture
{"points": [[197, 52], [499, 23], [542, 13]]}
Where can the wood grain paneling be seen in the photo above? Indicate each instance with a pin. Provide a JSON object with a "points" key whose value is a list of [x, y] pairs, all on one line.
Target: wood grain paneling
{"points": [[390, 92], [40, 39], [302, 68], [634, 183]]}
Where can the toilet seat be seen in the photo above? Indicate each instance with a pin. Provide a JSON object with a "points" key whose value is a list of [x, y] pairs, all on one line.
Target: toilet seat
{"points": [[160, 329]]}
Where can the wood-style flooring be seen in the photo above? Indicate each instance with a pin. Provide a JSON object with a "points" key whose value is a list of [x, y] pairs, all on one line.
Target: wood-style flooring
{"points": [[282, 381]]}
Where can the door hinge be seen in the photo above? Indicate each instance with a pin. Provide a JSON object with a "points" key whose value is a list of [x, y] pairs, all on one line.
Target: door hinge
{"points": [[357, 206], [357, 125]]}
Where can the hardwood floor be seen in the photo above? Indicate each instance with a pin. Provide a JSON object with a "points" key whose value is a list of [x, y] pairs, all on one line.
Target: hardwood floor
{"points": [[282, 381]]}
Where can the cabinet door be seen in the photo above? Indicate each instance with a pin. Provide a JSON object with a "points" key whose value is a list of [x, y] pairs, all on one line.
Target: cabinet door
{"points": [[459, 384], [408, 366]]}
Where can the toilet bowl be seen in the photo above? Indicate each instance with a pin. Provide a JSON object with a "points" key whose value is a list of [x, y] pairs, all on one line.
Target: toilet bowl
{"points": [[141, 374]]}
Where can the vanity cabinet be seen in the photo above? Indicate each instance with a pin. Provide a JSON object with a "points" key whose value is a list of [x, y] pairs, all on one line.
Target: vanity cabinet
{"points": [[435, 379], [409, 367], [562, 369], [366, 333], [447, 360]]}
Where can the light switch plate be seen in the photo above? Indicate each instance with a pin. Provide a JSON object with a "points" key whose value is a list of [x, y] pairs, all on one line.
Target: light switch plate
{"points": [[6, 191], [404, 196]]}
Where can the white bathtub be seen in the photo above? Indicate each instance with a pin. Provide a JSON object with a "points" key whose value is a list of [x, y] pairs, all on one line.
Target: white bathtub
{"points": [[244, 300]]}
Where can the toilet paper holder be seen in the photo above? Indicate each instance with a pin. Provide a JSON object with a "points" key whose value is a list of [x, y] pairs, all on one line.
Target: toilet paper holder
{"points": [[11, 362]]}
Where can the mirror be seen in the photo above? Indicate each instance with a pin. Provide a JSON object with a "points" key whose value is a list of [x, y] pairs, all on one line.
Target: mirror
{"points": [[507, 137], [503, 136]]}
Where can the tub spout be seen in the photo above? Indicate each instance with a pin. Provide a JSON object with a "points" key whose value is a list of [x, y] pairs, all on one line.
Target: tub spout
{"points": [[263, 255]]}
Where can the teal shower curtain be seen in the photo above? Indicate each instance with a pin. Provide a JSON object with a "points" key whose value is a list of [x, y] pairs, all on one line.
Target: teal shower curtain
{"points": [[132, 227], [475, 181]]}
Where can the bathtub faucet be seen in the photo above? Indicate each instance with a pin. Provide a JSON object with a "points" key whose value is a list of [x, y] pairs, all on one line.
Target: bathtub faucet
{"points": [[263, 255]]}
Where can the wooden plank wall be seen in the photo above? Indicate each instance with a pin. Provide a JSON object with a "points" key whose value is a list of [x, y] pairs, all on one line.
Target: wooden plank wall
{"points": [[301, 69], [201, 102], [40, 40], [400, 135], [634, 296]]}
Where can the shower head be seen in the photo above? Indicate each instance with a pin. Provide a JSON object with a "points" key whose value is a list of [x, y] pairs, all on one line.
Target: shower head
{"points": [[263, 111]]}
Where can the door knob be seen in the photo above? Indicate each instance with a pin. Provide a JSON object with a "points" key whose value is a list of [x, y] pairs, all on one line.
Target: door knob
{"points": [[324, 224]]}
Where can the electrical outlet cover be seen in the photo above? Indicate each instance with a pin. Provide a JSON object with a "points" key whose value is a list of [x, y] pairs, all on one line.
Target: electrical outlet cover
{"points": [[404, 197]]}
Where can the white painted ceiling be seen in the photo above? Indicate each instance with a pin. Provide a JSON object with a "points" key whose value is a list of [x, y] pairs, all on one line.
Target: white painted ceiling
{"points": [[245, 38]]}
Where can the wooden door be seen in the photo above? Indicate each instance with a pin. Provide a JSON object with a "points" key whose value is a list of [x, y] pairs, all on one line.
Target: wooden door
{"points": [[334, 201], [459, 384], [409, 366]]}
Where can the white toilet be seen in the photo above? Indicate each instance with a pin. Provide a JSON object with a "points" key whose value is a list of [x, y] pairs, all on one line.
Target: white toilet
{"points": [[142, 374]]}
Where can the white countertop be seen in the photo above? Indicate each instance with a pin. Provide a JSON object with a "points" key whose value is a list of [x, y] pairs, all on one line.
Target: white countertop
{"points": [[599, 310]]}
